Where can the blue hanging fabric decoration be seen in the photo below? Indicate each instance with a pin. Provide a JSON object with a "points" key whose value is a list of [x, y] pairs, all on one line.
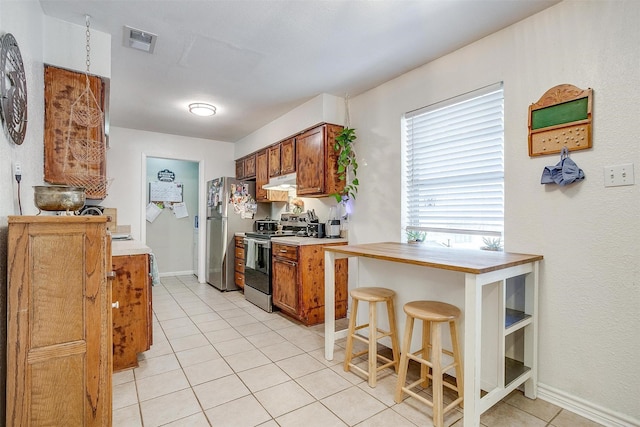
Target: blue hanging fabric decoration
{"points": [[563, 173]]}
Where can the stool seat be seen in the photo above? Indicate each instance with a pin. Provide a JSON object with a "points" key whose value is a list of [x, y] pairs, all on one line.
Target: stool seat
{"points": [[433, 314], [434, 311], [372, 295]]}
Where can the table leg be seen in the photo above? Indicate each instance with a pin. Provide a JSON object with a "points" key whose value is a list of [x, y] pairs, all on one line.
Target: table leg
{"points": [[472, 350], [329, 303]]}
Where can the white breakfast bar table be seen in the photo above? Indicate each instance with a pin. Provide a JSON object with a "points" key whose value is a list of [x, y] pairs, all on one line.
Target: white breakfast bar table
{"points": [[480, 268]]}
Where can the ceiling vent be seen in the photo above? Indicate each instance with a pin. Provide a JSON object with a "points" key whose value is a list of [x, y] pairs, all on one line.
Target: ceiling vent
{"points": [[138, 39]]}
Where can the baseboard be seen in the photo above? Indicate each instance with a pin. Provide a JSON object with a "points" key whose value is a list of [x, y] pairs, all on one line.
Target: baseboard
{"points": [[584, 408], [177, 273]]}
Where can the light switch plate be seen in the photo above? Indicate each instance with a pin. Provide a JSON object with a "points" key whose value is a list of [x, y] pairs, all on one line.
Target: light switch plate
{"points": [[617, 175]]}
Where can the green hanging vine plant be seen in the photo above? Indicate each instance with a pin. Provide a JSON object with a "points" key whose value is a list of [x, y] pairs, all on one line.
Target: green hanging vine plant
{"points": [[347, 164]]}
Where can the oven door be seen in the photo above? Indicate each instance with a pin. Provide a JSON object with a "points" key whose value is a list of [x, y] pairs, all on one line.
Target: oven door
{"points": [[257, 268]]}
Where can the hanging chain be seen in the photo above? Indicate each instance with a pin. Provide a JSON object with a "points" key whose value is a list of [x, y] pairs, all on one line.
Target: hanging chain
{"points": [[88, 47]]}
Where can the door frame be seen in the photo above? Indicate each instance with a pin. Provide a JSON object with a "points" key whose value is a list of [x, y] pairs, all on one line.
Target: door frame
{"points": [[202, 213]]}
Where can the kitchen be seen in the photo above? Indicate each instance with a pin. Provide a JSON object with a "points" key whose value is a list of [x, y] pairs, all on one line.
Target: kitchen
{"points": [[582, 287]]}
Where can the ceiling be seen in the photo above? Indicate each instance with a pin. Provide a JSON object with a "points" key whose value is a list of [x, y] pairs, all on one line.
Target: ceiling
{"points": [[258, 59]]}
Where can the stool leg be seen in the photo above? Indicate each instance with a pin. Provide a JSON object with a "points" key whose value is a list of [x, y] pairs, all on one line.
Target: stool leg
{"points": [[391, 313], [456, 355], [404, 360], [352, 328], [436, 362], [373, 344], [426, 352]]}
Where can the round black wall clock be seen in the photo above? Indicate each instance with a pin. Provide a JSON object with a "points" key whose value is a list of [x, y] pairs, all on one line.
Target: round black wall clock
{"points": [[13, 89]]}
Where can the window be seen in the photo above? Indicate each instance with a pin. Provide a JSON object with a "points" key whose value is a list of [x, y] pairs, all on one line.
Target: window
{"points": [[454, 169]]}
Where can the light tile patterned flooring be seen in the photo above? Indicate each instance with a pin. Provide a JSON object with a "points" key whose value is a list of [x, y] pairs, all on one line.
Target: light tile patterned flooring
{"points": [[217, 360]]}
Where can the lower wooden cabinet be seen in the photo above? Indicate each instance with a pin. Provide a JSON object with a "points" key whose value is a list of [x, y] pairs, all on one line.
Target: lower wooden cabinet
{"points": [[58, 321], [132, 309], [298, 282], [239, 262]]}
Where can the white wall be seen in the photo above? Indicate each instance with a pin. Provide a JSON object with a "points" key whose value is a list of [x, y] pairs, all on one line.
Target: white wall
{"points": [[588, 234], [24, 21], [126, 164], [322, 108]]}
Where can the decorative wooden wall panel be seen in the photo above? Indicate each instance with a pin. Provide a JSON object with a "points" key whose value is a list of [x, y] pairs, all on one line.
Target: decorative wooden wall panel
{"points": [[74, 140]]}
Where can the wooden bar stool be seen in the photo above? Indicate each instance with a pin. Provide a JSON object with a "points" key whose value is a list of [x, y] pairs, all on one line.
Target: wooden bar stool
{"points": [[433, 314], [372, 296]]}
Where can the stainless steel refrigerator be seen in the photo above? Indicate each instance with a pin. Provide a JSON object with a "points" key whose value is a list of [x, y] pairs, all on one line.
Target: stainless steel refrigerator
{"points": [[231, 207]]}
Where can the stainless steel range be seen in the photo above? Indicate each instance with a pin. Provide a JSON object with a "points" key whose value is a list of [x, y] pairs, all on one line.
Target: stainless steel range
{"points": [[257, 267]]}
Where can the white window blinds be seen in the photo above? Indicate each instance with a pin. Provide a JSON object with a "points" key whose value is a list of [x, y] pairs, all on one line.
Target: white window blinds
{"points": [[454, 164]]}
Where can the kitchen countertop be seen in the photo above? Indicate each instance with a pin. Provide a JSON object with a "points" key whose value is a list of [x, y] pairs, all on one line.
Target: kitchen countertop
{"points": [[302, 241], [129, 247]]}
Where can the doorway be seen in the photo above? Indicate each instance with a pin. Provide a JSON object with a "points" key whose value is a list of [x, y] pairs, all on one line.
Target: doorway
{"points": [[173, 235]]}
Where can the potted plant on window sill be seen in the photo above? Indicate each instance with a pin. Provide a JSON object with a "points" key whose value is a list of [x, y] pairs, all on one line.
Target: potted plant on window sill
{"points": [[492, 244], [416, 236]]}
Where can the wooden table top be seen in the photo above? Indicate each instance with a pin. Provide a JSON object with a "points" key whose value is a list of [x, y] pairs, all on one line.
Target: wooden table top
{"points": [[462, 260]]}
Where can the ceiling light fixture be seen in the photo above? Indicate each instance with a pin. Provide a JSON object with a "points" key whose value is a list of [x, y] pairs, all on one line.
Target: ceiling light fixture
{"points": [[202, 109]]}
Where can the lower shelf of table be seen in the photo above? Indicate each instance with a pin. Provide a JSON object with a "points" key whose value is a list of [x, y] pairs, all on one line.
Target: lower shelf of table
{"points": [[513, 369]]}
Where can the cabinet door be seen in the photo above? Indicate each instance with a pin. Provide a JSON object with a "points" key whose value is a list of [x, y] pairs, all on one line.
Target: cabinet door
{"points": [[58, 322], [288, 156], [285, 285], [310, 155], [262, 175], [250, 166], [240, 169], [274, 161], [131, 293]]}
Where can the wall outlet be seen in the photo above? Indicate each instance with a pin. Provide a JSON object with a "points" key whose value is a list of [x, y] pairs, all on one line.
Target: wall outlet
{"points": [[619, 175], [17, 168]]}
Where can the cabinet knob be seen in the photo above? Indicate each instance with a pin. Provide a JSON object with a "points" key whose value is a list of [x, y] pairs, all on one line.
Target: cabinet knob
{"points": [[111, 275], [115, 304]]}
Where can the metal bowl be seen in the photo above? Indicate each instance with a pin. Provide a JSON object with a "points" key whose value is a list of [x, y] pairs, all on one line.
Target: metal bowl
{"points": [[58, 197]]}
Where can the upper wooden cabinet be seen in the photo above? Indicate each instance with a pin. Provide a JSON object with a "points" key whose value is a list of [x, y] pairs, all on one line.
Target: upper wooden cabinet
{"points": [[274, 161], [282, 158], [288, 156], [246, 167], [262, 175], [59, 351], [316, 162]]}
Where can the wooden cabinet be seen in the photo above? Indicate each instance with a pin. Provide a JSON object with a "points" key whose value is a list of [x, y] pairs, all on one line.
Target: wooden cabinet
{"points": [[274, 160], [246, 167], [316, 162], [239, 262], [298, 282], [59, 354], [132, 312], [288, 156], [282, 158], [262, 175]]}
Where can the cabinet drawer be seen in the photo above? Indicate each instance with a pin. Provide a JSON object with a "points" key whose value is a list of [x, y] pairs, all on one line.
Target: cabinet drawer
{"points": [[239, 279], [239, 265], [239, 253], [285, 251]]}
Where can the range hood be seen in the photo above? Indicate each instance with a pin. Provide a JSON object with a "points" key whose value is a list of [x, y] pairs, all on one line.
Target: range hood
{"points": [[281, 183]]}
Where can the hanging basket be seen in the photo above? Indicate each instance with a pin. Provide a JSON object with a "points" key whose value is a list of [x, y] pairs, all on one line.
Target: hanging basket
{"points": [[89, 151], [95, 186], [85, 111]]}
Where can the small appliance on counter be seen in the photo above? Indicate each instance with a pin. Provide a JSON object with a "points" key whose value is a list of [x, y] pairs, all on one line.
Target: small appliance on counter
{"points": [[316, 229], [265, 225], [333, 229]]}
